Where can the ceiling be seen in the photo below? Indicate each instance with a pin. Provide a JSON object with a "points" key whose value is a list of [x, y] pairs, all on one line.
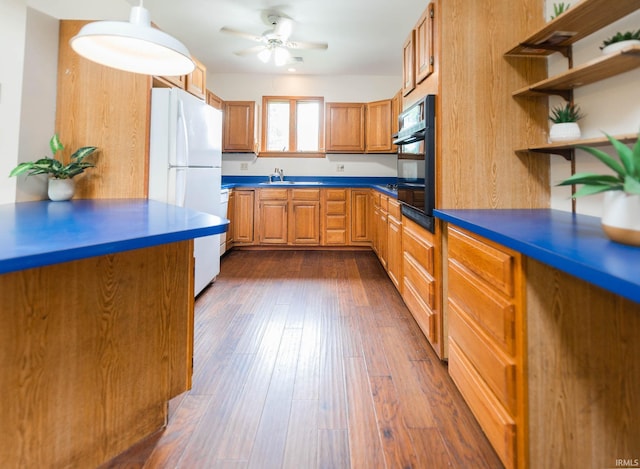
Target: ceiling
{"points": [[365, 37]]}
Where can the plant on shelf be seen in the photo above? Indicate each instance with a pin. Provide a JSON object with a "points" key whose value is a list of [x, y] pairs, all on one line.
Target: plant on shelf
{"points": [[621, 207], [620, 41], [565, 123], [61, 186], [559, 8]]}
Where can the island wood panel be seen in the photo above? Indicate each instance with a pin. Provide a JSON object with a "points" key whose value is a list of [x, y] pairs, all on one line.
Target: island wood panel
{"points": [[108, 108], [91, 351], [480, 123], [584, 372]]}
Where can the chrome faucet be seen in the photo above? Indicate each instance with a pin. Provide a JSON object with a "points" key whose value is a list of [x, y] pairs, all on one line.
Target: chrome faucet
{"points": [[279, 173]]}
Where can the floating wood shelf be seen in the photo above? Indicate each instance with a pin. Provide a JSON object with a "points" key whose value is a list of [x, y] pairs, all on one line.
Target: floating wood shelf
{"points": [[581, 20], [565, 148], [595, 70]]}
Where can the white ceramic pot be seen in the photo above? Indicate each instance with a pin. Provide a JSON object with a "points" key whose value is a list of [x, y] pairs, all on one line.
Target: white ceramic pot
{"points": [[564, 131], [616, 46], [621, 217], [61, 189]]}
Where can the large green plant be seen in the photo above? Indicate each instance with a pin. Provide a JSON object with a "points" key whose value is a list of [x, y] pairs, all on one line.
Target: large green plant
{"points": [[627, 171], [54, 167]]}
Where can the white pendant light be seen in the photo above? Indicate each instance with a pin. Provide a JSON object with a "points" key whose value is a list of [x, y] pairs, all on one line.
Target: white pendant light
{"points": [[133, 46]]}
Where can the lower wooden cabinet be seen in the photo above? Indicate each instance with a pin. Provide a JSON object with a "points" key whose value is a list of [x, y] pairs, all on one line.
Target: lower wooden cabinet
{"points": [[304, 219], [394, 243], [360, 218], [241, 217], [486, 338], [421, 284], [272, 216], [288, 217], [335, 217]]}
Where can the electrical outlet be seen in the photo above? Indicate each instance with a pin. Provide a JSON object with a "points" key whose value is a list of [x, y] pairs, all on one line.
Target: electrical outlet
{"points": [[244, 166], [340, 168]]}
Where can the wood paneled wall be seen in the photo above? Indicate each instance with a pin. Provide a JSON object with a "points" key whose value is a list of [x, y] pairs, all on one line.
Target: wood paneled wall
{"points": [[584, 372], [107, 108], [90, 353]]}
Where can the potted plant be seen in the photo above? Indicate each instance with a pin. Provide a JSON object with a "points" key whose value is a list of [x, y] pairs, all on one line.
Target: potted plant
{"points": [[620, 41], [559, 8], [565, 123], [60, 184], [621, 206]]}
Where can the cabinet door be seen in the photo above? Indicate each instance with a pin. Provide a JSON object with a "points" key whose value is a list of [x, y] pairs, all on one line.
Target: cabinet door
{"points": [[272, 226], [360, 217], [196, 81], [305, 222], [239, 124], [379, 125], [381, 233], [215, 101], [394, 244], [424, 45], [408, 65], [242, 221], [344, 128]]}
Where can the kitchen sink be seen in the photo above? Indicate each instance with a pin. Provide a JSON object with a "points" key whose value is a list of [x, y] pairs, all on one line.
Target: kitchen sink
{"points": [[291, 183]]}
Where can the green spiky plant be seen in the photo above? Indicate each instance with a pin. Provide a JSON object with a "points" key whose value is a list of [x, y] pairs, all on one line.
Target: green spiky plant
{"points": [[627, 171], [567, 113], [559, 8], [54, 167], [619, 37]]}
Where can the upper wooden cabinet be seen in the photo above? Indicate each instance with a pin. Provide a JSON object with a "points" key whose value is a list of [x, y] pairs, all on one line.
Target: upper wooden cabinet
{"points": [[196, 81], [424, 45], [214, 101], [344, 128], [178, 81], [379, 127], [408, 64], [238, 134]]}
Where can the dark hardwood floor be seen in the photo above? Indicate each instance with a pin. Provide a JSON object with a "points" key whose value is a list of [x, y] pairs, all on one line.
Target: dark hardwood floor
{"points": [[310, 359]]}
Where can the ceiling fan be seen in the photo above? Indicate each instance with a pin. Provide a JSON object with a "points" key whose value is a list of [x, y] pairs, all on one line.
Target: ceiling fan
{"points": [[274, 42]]}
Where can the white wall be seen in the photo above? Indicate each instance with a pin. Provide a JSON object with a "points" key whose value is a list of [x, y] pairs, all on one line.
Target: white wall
{"points": [[611, 106], [245, 87], [37, 122], [13, 17]]}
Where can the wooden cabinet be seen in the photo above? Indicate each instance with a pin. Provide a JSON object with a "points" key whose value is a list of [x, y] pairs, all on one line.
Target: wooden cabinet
{"points": [[288, 217], [486, 338], [335, 217], [360, 228], [421, 281], [241, 217], [394, 243], [424, 45], [344, 128], [178, 81], [196, 81], [379, 127], [238, 134], [380, 204], [215, 101], [408, 64]]}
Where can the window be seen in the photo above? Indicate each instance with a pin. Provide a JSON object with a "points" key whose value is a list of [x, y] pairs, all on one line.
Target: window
{"points": [[292, 126]]}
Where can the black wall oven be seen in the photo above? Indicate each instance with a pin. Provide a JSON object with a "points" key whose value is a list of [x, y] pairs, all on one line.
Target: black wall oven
{"points": [[416, 162]]}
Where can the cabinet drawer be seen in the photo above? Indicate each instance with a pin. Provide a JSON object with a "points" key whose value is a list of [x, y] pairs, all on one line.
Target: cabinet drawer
{"points": [[423, 281], [335, 237], [494, 313], [336, 222], [336, 194], [394, 209], [497, 369], [495, 421], [384, 203], [484, 259], [425, 318], [273, 194], [419, 248], [336, 207], [305, 194]]}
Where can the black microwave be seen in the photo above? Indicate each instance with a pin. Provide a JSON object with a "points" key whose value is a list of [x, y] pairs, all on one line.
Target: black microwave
{"points": [[416, 161]]}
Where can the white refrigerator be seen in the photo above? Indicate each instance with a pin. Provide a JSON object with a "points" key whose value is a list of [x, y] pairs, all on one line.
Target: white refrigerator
{"points": [[185, 157]]}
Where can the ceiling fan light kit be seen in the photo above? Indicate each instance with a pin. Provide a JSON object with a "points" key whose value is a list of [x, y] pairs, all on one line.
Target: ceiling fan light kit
{"points": [[134, 46]]}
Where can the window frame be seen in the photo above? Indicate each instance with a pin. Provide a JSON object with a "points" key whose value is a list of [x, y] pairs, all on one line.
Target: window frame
{"points": [[293, 101]]}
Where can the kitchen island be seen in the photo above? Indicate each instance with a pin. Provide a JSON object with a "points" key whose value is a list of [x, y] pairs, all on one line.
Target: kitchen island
{"points": [[96, 329]]}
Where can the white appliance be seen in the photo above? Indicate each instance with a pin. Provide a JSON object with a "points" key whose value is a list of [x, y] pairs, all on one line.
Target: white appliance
{"points": [[185, 158]]}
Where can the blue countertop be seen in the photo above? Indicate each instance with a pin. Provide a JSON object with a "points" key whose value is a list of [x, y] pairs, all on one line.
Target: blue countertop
{"points": [[35, 234], [572, 243], [378, 183]]}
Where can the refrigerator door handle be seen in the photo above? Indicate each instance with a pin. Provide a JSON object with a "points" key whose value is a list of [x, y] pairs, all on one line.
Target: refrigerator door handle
{"points": [[182, 144]]}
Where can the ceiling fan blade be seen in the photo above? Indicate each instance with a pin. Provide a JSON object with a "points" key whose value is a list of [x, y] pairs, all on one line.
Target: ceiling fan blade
{"points": [[250, 51], [305, 45], [235, 32]]}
